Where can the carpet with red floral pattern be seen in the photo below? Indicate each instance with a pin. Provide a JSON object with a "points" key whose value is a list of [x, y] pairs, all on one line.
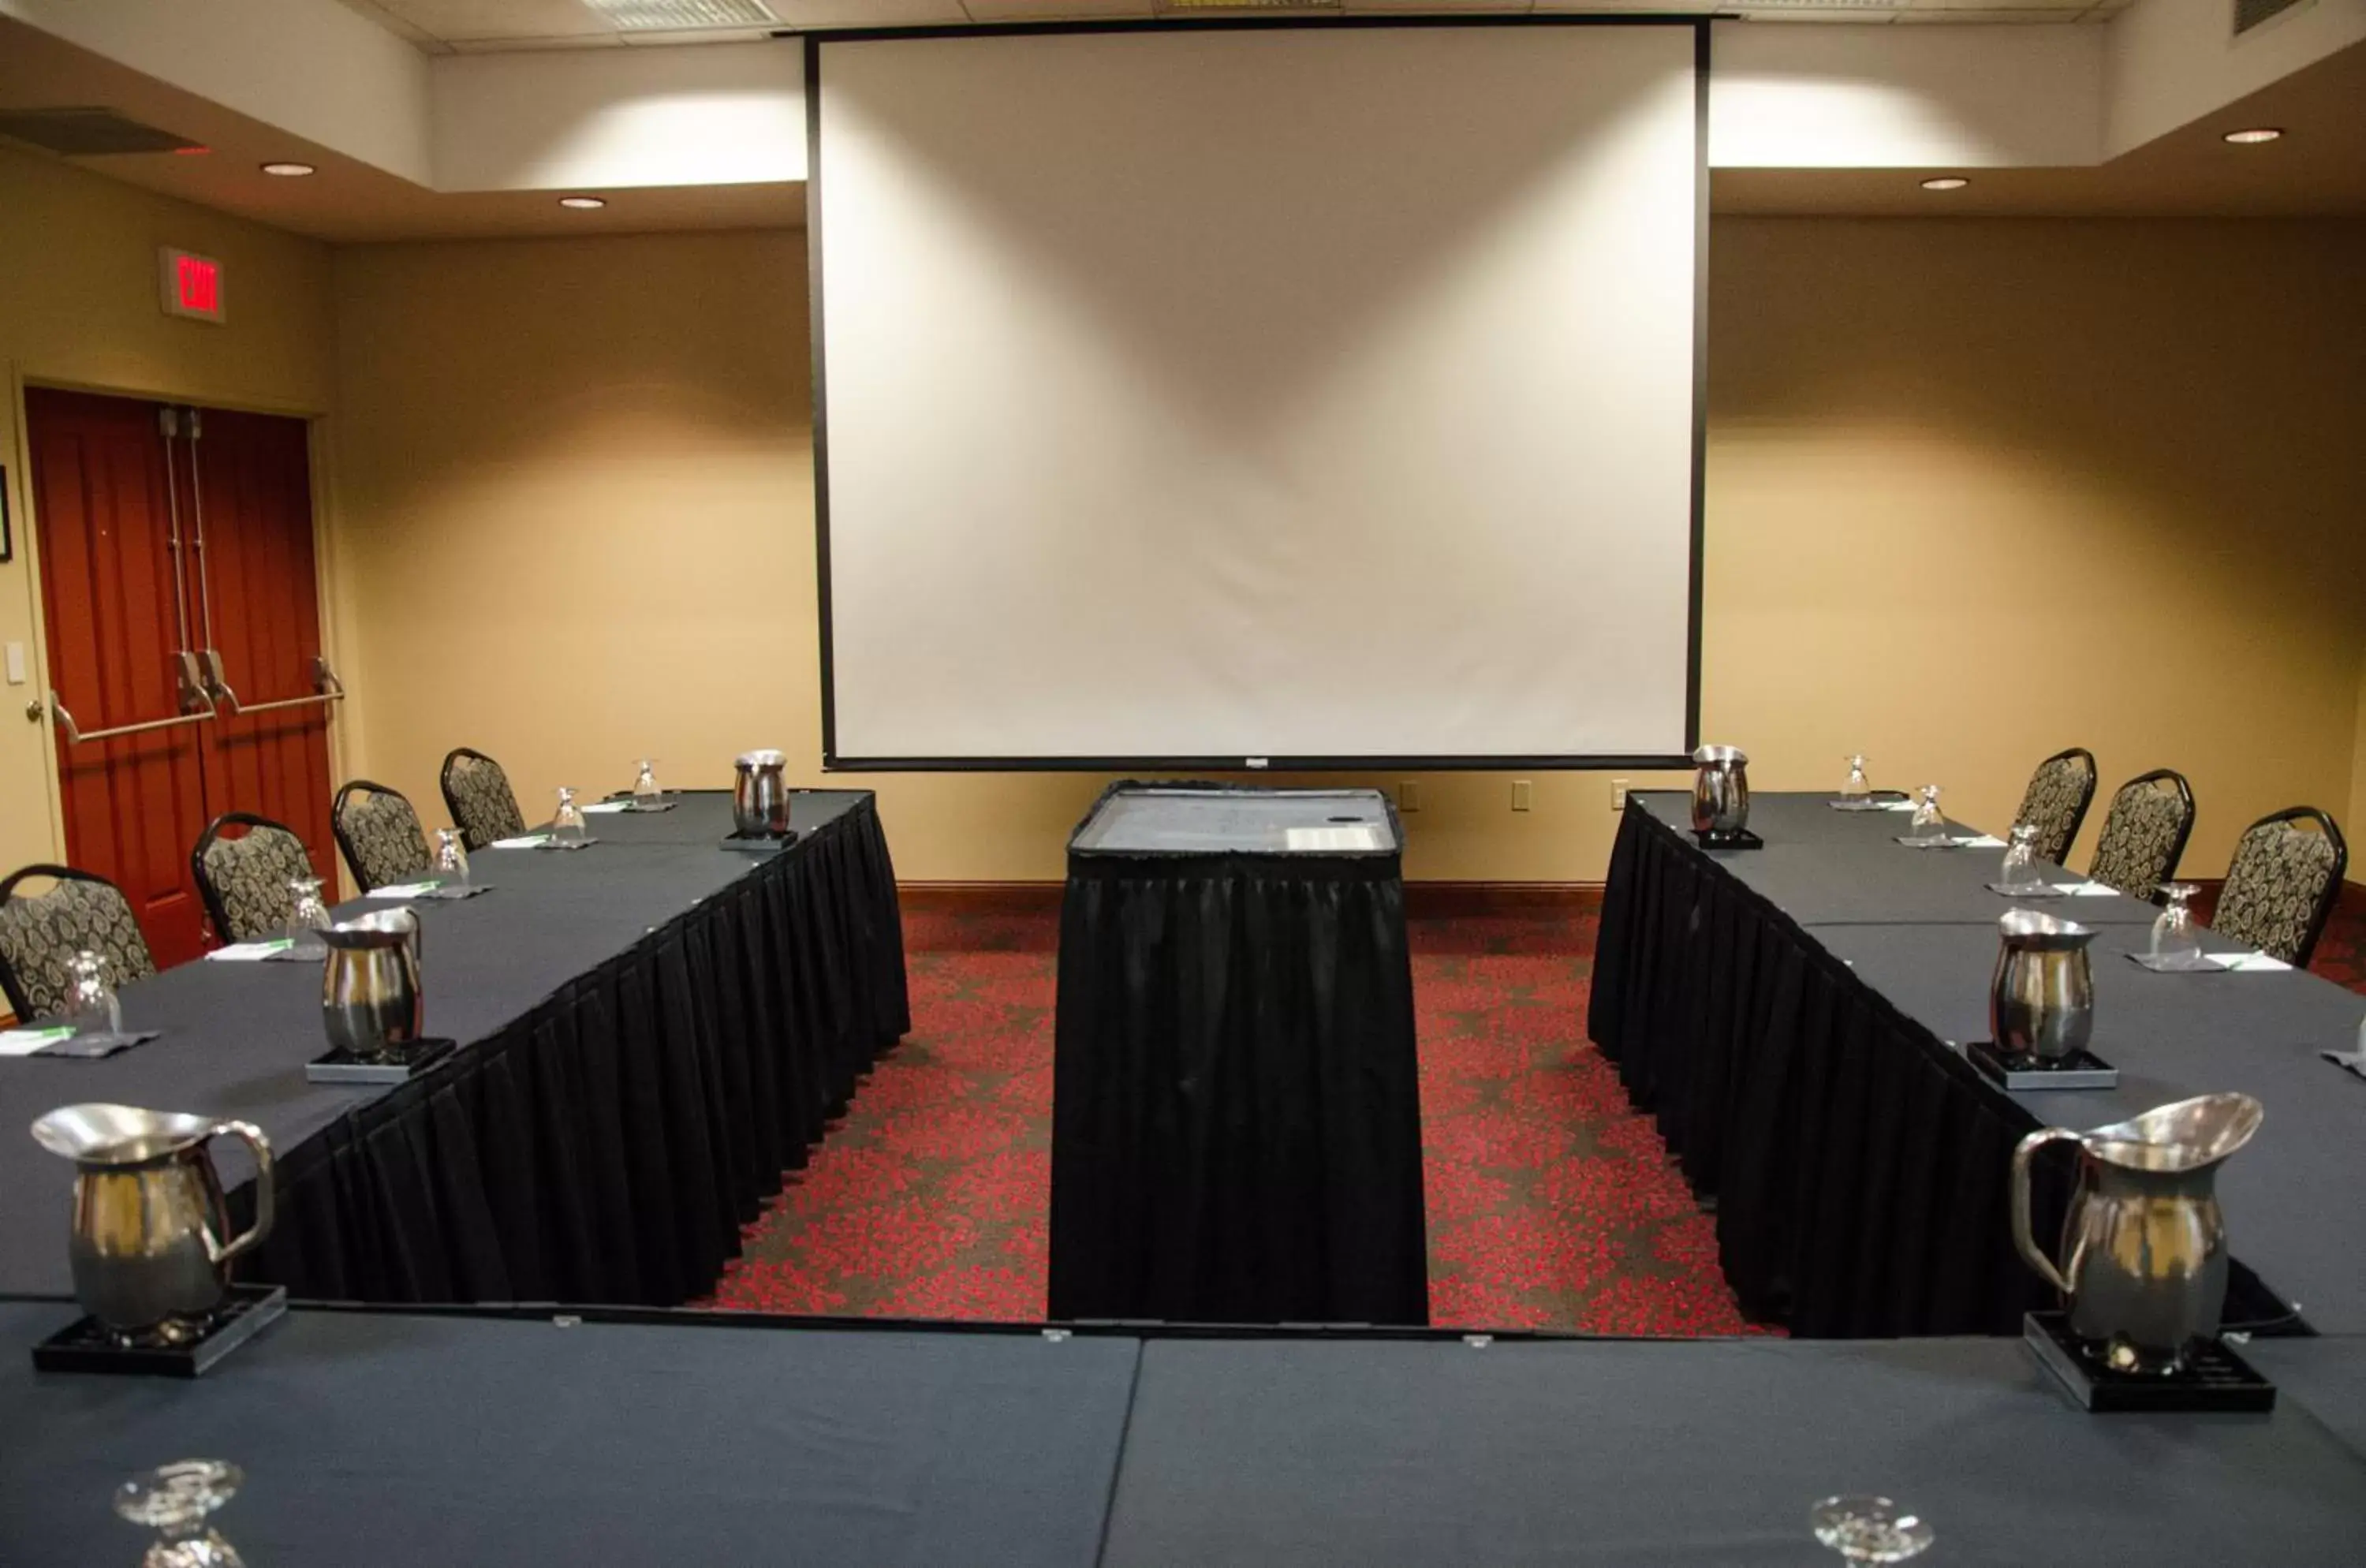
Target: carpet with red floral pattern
{"points": [[1552, 1203]]}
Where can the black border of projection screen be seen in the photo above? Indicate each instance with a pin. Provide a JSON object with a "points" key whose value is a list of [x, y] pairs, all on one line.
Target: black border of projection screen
{"points": [[817, 51]]}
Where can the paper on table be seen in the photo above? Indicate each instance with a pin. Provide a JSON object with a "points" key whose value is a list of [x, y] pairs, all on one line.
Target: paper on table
{"points": [[1982, 841], [25, 1042], [601, 808], [1896, 805], [1356, 836], [2086, 889], [2245, 962], [251, 952], [405, 889], [529, 841]]}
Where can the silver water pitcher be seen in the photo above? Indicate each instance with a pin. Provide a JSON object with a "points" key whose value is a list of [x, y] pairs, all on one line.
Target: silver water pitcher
{"points": [[759, 795], [1720, 790], [2042, 998], [2143, 1263], [149, 1218], [370, 996]]}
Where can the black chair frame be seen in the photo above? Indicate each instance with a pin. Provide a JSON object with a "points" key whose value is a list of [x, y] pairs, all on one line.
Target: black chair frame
{"points": [[2332, 894], [2184, 832], [444, 783], [2078, 818], [217, 916], [18, 1003], [337, 823]]}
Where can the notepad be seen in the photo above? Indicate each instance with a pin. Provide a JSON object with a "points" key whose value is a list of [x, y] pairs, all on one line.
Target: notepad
{"points": [[2245, 962], [527, 842], [1982, 841], [25, 1042], [405, 889], [2086, 890], [251, 952], [602, 807]]}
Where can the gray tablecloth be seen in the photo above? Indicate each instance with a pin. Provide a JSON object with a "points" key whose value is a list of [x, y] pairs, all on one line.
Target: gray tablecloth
{"points": [[1827, 867], [237, 1035], [2295, 1199], [1630, 1454], [405, 1440]]}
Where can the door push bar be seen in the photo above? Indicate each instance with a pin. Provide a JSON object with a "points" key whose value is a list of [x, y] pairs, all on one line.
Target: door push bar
{"points": [[196, 704], [326, 688]]}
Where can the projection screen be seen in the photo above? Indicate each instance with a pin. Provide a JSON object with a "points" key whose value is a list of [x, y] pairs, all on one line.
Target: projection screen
{"points": [[1220, 397]]}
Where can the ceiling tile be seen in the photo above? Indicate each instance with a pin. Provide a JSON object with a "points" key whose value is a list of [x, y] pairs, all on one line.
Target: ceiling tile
{"points": [[1399, 7], [1053, 10], [866, 13], [452, 20]]}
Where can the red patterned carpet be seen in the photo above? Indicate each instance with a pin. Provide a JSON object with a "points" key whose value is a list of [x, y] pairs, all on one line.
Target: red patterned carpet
{"points": [[1552, 1205]]}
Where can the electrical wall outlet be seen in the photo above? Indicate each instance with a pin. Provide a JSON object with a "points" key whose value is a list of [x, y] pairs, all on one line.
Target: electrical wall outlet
{"points": [[1523, 792], [1408, 794], [1617, 794]]}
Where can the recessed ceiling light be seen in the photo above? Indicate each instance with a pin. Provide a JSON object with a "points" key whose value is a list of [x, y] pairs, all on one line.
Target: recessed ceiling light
{"points": [[2254, 136], [583, 203], [1947, 182], [290, 171]]}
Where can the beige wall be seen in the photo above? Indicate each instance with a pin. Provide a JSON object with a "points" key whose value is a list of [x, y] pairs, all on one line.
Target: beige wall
{"points": [[1976, 491], [79, 307]]}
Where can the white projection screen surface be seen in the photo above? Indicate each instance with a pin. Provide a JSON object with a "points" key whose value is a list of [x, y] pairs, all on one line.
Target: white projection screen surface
{"points": [[1304, 396]]}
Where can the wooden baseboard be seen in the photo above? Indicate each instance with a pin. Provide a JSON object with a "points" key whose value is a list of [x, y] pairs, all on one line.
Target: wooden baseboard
{"points": [[1427, 899]]}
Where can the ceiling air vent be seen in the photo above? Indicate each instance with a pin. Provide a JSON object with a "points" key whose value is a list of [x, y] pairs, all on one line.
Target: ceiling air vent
{"points": [[651, 15], [87, 132], [1204, 8], [2249, 14]]}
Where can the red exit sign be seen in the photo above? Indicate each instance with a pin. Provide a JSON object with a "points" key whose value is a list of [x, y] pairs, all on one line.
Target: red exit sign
{"points": [[193, 285]]}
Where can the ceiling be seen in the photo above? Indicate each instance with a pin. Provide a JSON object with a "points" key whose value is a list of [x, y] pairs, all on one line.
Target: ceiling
{"points": [[445, 26]]}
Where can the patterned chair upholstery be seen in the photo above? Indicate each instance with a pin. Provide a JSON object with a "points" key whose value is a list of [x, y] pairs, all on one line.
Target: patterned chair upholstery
{"points": [[2144, 834], [243, 880], [380, 834], [2283, 882], [39, 932], [2055, 802], [483, 806]]}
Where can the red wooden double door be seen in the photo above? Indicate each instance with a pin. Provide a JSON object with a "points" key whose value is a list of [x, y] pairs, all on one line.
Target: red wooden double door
{"points": [[178, 584]]}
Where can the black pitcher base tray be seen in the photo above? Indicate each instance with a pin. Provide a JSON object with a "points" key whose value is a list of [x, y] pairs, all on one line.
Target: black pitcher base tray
{"points": [[342, 1065], [2213, 1379], [760, 843], [1739, 839], [84, 1346], [2080, 1069]]}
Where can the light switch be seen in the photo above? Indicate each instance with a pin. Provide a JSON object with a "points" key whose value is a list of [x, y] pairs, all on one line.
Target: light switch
{"points": [[16, 664], [1617, 794], [1408, 794], [1521, 792]]}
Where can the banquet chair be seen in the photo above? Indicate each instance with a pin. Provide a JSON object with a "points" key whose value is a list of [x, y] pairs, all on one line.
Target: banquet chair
{"points": [[243, 880], [2144, 834], [477, 793], [2056, 800], [380, 834], [40, 932], [2281, 884]]}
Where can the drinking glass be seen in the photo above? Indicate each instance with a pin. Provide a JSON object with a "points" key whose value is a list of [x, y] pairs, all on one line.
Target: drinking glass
{"points": [[2018, 874], [173, 1500], [1869, 1530], [567, 826], [1929, 824], [2176, 944], [451, 857], [91, 1004], [645, 785], [1855, 786], [307, 917]]}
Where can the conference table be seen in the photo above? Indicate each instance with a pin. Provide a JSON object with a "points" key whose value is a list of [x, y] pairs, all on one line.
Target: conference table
{"points": [[650, 1031], [398, 1437], [1793, 1017], [1236, 1106]]}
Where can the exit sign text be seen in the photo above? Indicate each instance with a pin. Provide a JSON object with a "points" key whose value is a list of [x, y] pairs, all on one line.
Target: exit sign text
{"points": [[193, 285]]}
